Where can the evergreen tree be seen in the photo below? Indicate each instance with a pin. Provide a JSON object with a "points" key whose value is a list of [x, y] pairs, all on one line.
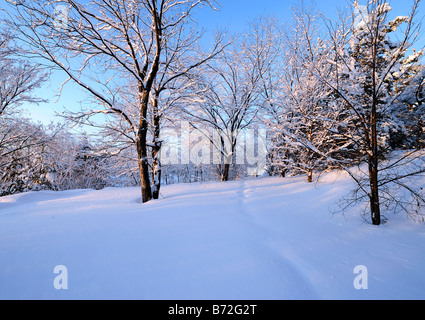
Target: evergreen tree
{"points": [[367, 68]]}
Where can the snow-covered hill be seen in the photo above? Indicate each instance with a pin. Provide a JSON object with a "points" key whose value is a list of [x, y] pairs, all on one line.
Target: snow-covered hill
{"points": [[269, 238]]}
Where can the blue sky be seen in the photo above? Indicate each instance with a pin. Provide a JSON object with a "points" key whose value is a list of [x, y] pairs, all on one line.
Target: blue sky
{"points": [[235, 13], [233, 16]]}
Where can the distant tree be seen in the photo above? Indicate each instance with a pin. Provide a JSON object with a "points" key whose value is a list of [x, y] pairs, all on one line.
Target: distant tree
{"points": [[24, 153], [89, 167], [302, 116], [228, 95], [21, 166]]}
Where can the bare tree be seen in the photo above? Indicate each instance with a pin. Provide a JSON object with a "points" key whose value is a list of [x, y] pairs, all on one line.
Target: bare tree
{"points": [[229, 92], [301, 112], [25, 155], [103, 45], [20, 141], [19, 77], [182, 57]]}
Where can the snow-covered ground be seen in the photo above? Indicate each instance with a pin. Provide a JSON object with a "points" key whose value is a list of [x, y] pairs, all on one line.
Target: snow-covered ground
{"points": [[268, 238]]}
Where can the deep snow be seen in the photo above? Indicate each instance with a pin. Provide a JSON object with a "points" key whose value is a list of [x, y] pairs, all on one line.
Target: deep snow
{"points": [[267, 238]]}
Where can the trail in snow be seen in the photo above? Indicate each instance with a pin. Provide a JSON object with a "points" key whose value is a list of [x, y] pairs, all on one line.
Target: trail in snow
{"points": [[292, 273]]}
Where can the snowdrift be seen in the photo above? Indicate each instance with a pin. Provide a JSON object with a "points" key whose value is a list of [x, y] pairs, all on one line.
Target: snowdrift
{"points": [[267, 238]]}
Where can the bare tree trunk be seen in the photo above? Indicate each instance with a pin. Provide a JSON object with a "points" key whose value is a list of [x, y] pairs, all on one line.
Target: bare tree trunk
{"points": [[374, 196], [157, 171], [373, 158], [156, 150], [310, 175], [143, 161], [144, 93], [141, 141], [225, 174], [225, 165], [227, 158], [373, 172]]}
